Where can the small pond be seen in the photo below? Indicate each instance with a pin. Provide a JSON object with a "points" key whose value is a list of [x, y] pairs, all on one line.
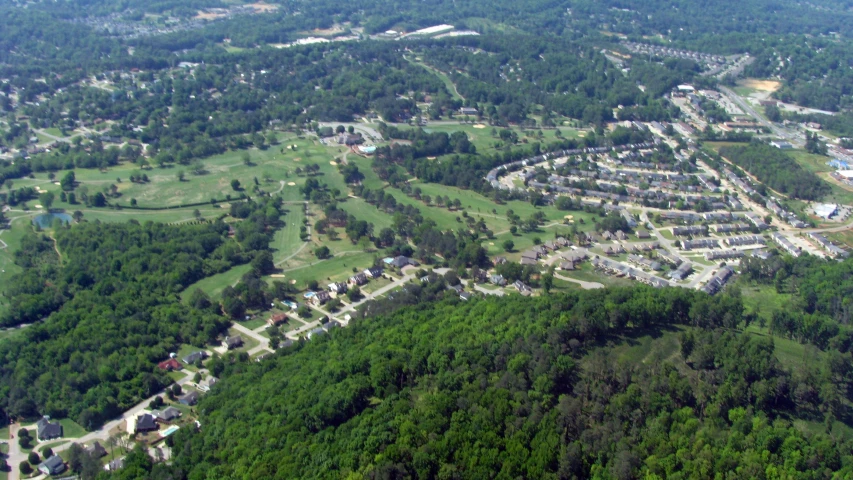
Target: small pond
{"points": [[45, 220]]}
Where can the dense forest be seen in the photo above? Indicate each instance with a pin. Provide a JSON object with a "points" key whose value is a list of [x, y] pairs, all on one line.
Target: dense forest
{"points": [[108, 322], [777, 170], [510, 387]]}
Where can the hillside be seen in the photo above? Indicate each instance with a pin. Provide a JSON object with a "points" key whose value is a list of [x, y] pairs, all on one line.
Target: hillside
{"points": [[518, 388]]}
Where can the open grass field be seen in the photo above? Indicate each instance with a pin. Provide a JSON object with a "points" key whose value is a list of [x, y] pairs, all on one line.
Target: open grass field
{"points": [[481, 134], [762, 299], [258, 321], [286, 239], [845, 237], [164, 188], [336, 269], [817, 164], [214, 285], [367, 212], [647, 345], [789, 352], [587, 273], [71, 429]]}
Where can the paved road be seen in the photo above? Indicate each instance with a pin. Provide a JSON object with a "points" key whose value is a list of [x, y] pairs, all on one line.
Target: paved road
{"points": [[584, 285], [103, 433], [15, 455], [263, 342], [499, 292], [407, 277], [53, 137], [746, 107], [294, 334]]}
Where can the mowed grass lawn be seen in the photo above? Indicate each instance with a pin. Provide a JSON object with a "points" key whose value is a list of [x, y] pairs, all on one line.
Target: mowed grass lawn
{"points": [[480, 134], [286, 240], [11, 238], [71, 429], [336, 269], [164, 188], [362, 210], [214, 285], [817, 165]]}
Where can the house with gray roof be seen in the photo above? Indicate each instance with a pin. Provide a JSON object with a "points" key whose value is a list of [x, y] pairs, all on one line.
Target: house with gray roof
{"points": [[52, 466]]}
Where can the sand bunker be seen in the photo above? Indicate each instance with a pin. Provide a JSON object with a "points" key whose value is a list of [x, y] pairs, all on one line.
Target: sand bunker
{"points": [[277, 275], [264, 7], [291, 184], [760, 85], [333, 162], [479, 125], [209, 15], [297, 159]]}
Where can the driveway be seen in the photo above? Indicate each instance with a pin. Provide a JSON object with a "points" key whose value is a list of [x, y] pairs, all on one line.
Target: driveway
{"points": [[103, 433]]}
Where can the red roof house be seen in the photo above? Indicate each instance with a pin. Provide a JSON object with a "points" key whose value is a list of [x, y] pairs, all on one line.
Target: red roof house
{"points": [[169, 365]]}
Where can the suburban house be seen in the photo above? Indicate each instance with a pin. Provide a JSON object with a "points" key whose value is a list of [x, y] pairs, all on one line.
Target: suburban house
{"points": [[320, 298], [233, 342], [480, 276], [167, 415], [205, 384], [316, 331], [522, 288], [498, 280], [194, 357], [52, 466], [338, 287], [47, 430], [96, 450], [114, 465], [500, 260], [169, 365], [350, 139], [643, 234], [357, 279], [468, 111], [530, 254], [567, 265], [277, 319], [373, 272], [330, 325], [465, 296], [189, 399], [402, 261], [146, 423], [285, 344]]}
